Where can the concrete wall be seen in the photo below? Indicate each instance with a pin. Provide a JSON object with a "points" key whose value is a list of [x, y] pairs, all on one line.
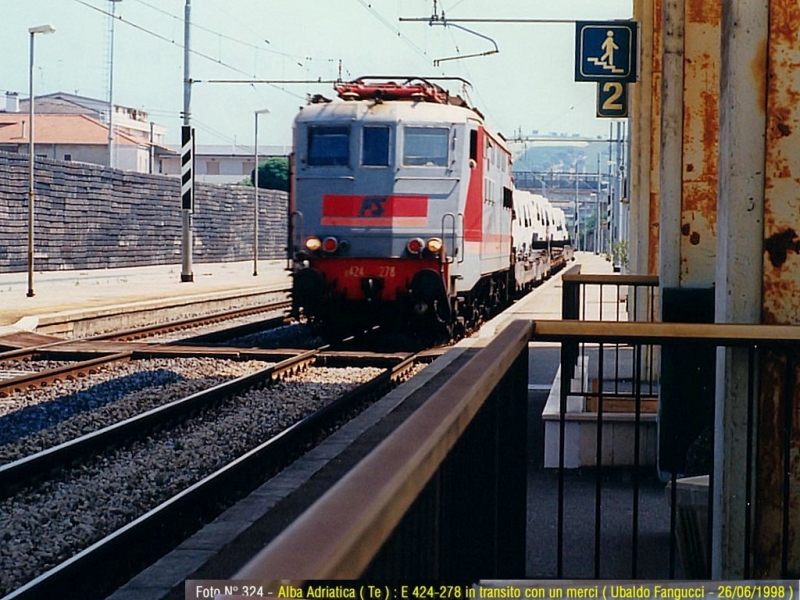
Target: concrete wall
{"points": [[89, 216]]}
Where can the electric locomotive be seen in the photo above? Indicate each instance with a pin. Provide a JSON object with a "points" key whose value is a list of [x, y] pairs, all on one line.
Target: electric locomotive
{"points": [[401, 208]]}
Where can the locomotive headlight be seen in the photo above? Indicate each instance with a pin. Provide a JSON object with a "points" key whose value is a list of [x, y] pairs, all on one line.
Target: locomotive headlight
{"points": [[415, 246], [313, 244], [434, 245], [330, 245]]}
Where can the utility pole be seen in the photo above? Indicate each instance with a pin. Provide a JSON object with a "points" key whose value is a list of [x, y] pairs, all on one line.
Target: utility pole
{"points": [[598, 237], [621, 214], [577, 210], [111, 85], [187, 155], [611, 198]]}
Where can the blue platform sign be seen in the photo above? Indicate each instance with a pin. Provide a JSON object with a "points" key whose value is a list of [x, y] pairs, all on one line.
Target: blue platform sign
{"points": [[605, 50]]}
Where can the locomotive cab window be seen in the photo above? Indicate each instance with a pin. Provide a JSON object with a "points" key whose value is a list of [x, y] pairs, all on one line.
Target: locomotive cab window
{"points": [[425, 146], [328, 146], [473, 145], [375, 147]]}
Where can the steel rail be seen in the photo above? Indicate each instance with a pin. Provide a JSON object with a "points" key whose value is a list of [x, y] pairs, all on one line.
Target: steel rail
{"points": [[100, 568], [37, 379]]}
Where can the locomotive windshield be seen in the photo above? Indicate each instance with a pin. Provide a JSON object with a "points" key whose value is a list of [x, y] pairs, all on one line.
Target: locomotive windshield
{"points": [[328, 146], [375, 147], [425, 146]]}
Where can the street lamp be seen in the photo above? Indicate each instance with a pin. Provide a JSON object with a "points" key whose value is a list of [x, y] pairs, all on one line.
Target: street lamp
{"points": [[255, 203], [33, 31]]}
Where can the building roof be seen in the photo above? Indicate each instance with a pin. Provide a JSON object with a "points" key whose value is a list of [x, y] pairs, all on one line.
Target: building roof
{"points": [[63, 103], [58, 129], [56, 105], [86, 102]]}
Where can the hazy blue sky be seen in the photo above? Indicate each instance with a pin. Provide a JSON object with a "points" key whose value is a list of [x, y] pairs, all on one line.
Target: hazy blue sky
{"points": [[528, 85]]}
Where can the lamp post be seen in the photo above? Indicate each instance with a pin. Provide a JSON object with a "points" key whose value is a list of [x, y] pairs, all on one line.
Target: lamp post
{"points": [[255, 202], [31, 157]]}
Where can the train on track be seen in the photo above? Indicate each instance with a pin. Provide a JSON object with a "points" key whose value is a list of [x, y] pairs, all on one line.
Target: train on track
{"points": [[403, 212]]}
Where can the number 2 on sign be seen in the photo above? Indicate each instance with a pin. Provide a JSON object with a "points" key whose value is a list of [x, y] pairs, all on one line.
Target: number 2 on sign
{"points": [[611, 103]]}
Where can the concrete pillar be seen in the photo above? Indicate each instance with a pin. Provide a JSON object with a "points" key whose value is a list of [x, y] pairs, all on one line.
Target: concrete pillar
{"points": [[739, 257]]}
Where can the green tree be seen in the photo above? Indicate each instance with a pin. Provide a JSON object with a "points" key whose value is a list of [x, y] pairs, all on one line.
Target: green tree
{"points": [[273, 174]]}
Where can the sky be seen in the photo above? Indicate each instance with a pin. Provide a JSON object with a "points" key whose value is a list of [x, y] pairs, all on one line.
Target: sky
{"points": [[527, 86]]}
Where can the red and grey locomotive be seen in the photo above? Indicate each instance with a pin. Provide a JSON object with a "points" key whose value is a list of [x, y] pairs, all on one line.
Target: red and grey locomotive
{"points": [[401, 208]]}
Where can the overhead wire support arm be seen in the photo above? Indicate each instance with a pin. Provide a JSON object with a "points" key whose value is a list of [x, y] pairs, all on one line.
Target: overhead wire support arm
{"points": [[430, 20], [435, 19], [267, 81], [444, 23]]}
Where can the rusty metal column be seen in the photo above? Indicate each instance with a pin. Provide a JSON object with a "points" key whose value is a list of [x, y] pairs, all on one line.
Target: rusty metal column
{"points": [[689, 143], [698, 235], [777, 491], [654, 207], [739, 250]]}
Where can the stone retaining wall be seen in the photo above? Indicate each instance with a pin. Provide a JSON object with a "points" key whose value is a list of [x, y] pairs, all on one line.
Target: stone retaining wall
{"points": [[88, 216]]}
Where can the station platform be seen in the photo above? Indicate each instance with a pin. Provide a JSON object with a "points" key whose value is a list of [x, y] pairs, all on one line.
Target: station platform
{"points": [[545, 303], [65, 302]]}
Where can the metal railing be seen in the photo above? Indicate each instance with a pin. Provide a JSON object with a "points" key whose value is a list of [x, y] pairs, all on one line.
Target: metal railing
{"points": [[689, 510], [637, 292], [443, 496], [631, 298]]}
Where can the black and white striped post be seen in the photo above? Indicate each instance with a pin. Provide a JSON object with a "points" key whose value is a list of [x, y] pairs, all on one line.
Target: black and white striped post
{"points": [[187, 200], [187, 153]]}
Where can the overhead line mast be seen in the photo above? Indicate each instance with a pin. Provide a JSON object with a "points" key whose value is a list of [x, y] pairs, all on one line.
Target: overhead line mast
{"points": [[187, 154]]}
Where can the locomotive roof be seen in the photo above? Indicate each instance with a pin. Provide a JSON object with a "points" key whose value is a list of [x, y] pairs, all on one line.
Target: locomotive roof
{"points": [[387, 110], [373, 92], [380, 99]]}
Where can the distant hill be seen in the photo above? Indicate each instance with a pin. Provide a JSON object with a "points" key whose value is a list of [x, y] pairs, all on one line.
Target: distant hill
{"points": [[560, 157]]}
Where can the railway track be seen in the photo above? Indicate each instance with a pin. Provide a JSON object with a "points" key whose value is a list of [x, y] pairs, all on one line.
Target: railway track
{"points": [[102, 351], [132, 546], [189, 324], [27, 470]]}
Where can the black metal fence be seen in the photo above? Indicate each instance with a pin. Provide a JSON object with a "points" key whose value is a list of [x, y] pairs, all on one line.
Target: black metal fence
{"points": [[444, 495], [689, 482]]}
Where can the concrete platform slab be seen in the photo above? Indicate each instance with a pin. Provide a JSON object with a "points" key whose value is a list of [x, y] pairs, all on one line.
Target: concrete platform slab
{"points": [[69, 296]]}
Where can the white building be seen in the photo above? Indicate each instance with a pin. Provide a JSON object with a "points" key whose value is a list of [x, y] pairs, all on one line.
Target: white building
{"points": [[221, 164], [75, 128]]}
